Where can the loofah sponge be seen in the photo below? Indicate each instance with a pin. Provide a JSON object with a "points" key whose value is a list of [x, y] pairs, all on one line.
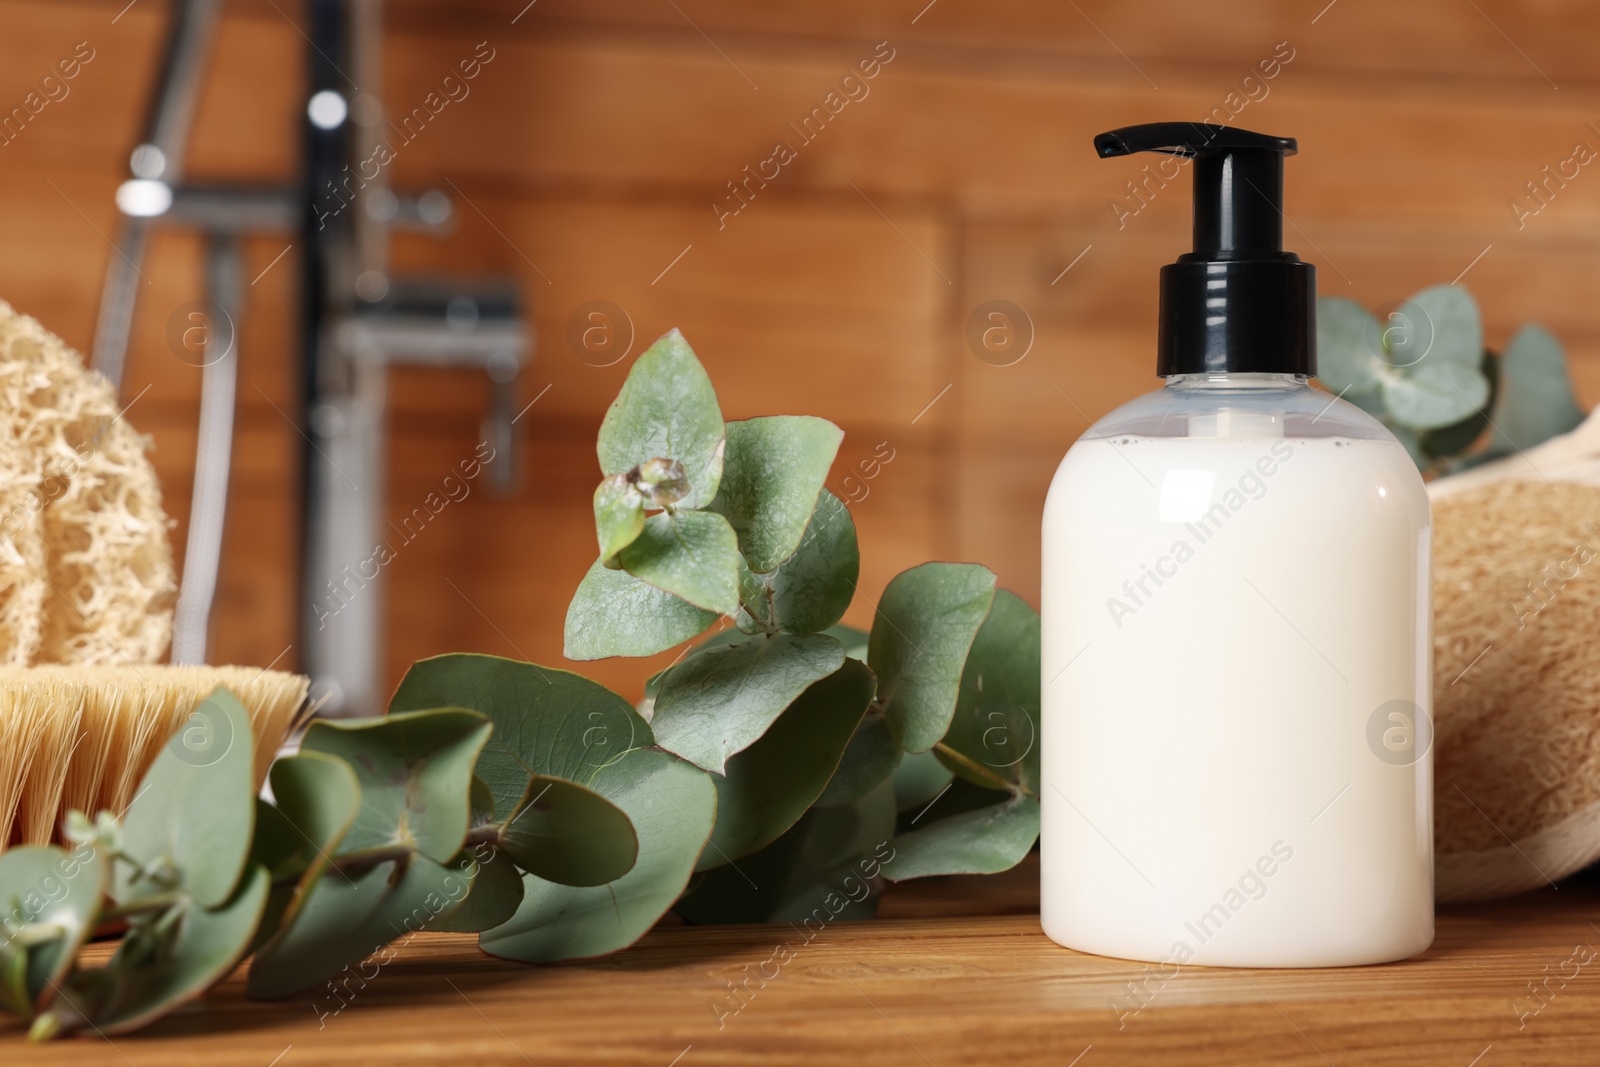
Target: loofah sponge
{"points": [[85, 568], [1516, 679]]}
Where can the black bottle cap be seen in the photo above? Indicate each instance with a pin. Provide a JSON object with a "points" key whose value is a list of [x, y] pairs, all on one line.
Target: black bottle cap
{"points": [[1238, 302]]}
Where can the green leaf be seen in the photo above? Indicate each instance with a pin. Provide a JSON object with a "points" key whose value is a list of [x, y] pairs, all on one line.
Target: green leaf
{"points": [[667, 409], [194, 813], [769, 785], [1349, 356], [719, 701], [691, 554], [825, 868], [853, 640], [1441, 324], [277, 846], [546, 721], [415, 771], [618, 516], [869, 761], [568, 833], [347, 917], [1536, 401], [809, 591], [673, 806], [925, 624], [210, 942], [996, 724], [1435, 393], [14, 996], [985, 841], [775, 467], [615, 614], [1458, 437], [919, 780], [495, 895], [318, 797], [49, 902]]}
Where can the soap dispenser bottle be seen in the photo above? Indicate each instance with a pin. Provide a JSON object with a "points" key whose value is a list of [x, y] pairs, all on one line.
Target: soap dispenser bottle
{"points": [[1236, 672]]}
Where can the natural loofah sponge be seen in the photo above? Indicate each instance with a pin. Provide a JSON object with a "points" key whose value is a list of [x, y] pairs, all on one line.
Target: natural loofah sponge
{"points": [[85, 568], [1517, 670]]}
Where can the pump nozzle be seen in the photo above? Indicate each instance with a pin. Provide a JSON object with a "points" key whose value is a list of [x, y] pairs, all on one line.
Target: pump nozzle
{"points": [[1238, 302]]}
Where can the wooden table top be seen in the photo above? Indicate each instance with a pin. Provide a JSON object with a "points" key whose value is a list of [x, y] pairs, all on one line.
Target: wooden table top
{"points": [[957, 972]]}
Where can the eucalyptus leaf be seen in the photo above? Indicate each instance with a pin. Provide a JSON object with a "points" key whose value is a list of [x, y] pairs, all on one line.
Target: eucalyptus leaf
{"points": [[995, 730], [1536, 401], [1456, 438], [869, 760], [919, 781], [318, 797], [565, 832], [349, 916], [277, 845], [618, 516], [985, 841], [729, 635], [719, 701], [854, 640], [49, 902], [415, 772], [774, 470], [480, 798], [14, 996], [1441, 324], [672, 804], [769, 785], [809, 591], [279, 850], [546, 721], [667, 409], [615, 614], [194, 812], [691, 554], [1349, 352], [210, 942], [925, 624], [495, 896], [1435, 393], [825, 868]]}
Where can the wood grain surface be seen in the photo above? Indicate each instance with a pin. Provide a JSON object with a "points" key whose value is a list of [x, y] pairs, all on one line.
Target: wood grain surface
{"points": [[955, 973]]}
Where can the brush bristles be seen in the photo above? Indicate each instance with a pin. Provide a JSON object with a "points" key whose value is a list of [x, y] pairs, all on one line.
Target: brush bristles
{"points": [[82, 738]]}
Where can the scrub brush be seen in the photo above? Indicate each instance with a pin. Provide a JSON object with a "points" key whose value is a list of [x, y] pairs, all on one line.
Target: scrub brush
{"points": [[81, 738]]}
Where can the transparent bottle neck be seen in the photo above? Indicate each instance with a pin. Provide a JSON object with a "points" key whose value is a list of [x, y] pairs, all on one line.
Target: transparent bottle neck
{"points": [[1226, 380]]}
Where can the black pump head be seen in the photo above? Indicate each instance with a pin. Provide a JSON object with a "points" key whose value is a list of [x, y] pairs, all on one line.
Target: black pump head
{"points": [[1238, 302]]}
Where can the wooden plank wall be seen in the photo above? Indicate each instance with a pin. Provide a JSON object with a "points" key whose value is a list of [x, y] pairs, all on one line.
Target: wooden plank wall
{"points": [[595, 144]]}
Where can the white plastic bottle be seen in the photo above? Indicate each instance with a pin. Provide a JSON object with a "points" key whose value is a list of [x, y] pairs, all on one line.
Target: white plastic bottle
{"points": [[1236, 674]]}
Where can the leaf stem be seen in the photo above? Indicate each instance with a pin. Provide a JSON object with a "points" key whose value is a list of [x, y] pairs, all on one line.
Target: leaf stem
{"points": [[981, 771], [488, 834], [363, 861], [143, 906]]}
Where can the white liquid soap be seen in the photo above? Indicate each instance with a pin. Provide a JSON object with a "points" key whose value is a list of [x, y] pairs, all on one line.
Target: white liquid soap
{"points": [[1236, 743]]}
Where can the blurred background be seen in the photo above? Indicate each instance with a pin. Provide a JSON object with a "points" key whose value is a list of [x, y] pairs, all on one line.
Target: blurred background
{"points": [[830, 240]]}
